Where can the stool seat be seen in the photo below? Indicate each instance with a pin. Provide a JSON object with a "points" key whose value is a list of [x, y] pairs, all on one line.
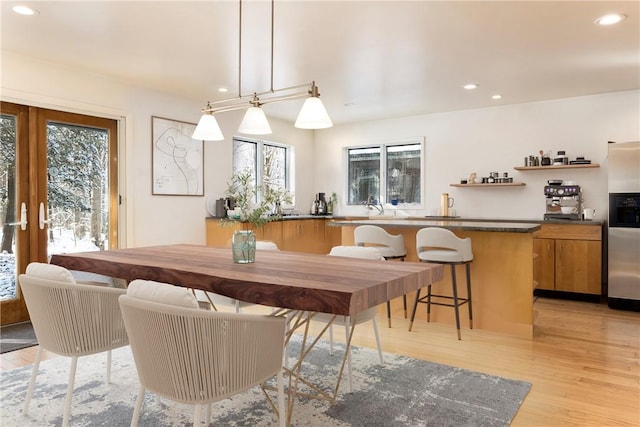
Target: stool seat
{"points": [[441, 256], [442, 246]]}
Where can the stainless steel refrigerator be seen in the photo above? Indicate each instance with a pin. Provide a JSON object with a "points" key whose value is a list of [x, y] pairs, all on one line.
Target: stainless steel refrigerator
{"points": [[623, 165]]}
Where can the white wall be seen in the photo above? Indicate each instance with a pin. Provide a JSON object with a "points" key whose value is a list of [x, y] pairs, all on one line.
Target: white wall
{"points": [[495, 139], [149, 220]]}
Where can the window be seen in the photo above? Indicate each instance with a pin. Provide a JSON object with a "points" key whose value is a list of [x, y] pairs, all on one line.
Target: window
{"points": [[388, 173], [270, 163]]}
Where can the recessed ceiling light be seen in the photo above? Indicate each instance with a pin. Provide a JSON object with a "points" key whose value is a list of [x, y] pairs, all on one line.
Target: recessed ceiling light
{"points": [[24, 10], [223, 89], [496, 96], [470, 86], [610, 19]]}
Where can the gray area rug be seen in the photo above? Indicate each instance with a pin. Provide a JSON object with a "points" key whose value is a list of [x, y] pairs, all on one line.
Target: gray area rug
{"points": [[403, 392], [16, 337]]}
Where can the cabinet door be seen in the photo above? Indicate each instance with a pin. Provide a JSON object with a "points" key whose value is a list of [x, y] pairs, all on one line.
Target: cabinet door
{"points": [[544, 263], [578, 266], [219, 234], [271, 231]]}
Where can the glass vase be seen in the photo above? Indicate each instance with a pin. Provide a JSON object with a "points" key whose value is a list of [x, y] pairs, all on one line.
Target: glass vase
{"points": [[243, 246]]}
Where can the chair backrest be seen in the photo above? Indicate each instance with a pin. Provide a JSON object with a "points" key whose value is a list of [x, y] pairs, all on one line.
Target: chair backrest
{"points": [[364, 252], [437, 241], [266, 245], [389, 245], [198, 356], [72, 319]]}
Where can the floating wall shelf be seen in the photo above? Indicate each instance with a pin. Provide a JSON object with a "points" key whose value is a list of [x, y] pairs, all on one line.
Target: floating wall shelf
{"points": [[504, 184], [530, 168]]}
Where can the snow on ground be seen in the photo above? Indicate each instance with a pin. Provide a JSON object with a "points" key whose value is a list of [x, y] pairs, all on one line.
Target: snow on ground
{"points": [[64, 242]]}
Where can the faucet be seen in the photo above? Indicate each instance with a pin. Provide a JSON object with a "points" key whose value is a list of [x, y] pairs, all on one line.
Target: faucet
{"points": [[371, 204]]}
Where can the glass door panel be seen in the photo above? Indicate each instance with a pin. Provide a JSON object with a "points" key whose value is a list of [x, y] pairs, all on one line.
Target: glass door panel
{"points": [[58, 191], [14, 233], [78, 202]]}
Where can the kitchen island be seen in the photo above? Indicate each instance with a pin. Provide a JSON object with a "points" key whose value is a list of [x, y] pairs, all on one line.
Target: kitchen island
{"points": [[501, 272]]}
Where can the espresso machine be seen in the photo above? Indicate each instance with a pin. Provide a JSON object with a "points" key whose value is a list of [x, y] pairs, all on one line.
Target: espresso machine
{"points": [[563, 200]]}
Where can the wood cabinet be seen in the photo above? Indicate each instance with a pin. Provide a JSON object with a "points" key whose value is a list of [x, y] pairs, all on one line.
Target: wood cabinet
{"points": [[298, 235], [568, 258]]}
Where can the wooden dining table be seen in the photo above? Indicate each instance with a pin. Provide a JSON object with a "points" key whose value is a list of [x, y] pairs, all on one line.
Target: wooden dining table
{"points": [[298, 284], [293, 280]]}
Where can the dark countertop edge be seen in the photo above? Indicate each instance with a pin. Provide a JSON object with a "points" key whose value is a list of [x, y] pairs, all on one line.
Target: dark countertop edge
{"points": [[433, 218], [496, 226], [287, 217]]}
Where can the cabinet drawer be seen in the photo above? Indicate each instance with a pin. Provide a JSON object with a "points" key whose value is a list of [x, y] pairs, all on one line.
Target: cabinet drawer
{"points": [[569, 231]]}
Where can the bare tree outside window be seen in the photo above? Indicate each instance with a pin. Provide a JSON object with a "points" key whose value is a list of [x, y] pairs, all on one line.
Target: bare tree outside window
{"points": [[386, 173]]}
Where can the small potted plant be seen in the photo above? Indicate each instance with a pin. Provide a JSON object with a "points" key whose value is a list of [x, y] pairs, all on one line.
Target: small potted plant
{"points": [[251, 212]]}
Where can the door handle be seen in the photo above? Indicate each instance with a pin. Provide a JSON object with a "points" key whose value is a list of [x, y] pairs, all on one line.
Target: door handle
{"points": [[23, 217], [41, 217]]}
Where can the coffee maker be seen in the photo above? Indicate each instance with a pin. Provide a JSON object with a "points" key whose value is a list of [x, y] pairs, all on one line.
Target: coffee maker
{"points": [[563, 200]]}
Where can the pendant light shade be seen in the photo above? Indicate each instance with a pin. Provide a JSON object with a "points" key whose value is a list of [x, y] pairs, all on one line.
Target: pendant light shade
{"points": [[313, 115], [208, 129], [255, 122]]}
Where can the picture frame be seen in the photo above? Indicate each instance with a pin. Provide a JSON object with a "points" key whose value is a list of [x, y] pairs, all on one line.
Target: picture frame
{"points": [[177, 160]]}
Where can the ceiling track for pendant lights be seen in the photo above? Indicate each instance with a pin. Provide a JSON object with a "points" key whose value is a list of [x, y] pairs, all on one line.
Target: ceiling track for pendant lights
{"points": [[312, 115]]}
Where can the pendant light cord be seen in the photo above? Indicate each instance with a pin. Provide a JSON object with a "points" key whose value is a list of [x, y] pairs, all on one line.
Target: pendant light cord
{"points": [[240, 50], [271, 90]]}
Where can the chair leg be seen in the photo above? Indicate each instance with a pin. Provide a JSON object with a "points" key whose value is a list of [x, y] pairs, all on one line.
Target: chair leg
{"points": [[67, 402], [375, 331], [207, 414], [331, 340], [197, 415], [455, 298], [468, 268], [404, 301], [138, 408], [32, 382], [415, 307], [282, 412], [347, 328], [108, 366], [429, 303]]}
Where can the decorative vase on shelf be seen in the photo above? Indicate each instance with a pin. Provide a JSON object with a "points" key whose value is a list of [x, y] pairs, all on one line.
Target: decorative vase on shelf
{"points": [[243, 246]]}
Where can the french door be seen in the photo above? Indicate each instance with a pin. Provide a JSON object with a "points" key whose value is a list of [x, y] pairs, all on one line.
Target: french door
{"points": [[58, 191]]}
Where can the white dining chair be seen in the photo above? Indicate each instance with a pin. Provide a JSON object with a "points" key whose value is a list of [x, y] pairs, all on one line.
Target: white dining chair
{"points": [[391, 247], [198, 356], [70, 319], [347, 322]]}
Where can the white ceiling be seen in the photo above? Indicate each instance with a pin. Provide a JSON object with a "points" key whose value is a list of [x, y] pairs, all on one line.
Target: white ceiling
{"points": [[370, 59]]}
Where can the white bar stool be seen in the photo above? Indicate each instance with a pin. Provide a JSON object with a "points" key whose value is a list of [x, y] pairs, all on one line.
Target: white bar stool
{"points": [[441, 246], [390, 247]]}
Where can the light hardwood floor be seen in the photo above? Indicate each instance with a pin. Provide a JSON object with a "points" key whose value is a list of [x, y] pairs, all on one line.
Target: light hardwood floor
{"points": [[583, 361]]}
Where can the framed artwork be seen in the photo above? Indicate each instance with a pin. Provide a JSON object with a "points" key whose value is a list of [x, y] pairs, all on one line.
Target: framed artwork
{"points": [[177, 159]]}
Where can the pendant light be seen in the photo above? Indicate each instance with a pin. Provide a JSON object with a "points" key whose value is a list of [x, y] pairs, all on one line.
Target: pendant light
{"points": [[255, 122], [313, 114], [208, 128]]}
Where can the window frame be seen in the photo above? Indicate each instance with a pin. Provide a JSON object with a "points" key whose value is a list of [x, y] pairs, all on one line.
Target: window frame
{"points": [[259, 161], [382, 147]]}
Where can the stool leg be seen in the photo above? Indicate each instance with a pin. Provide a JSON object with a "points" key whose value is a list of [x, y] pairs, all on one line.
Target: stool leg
{"points": [[389, 312], [468, 268], [404, 300], [429, 303], [415, 307], [404, 297], [455, 298]]}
